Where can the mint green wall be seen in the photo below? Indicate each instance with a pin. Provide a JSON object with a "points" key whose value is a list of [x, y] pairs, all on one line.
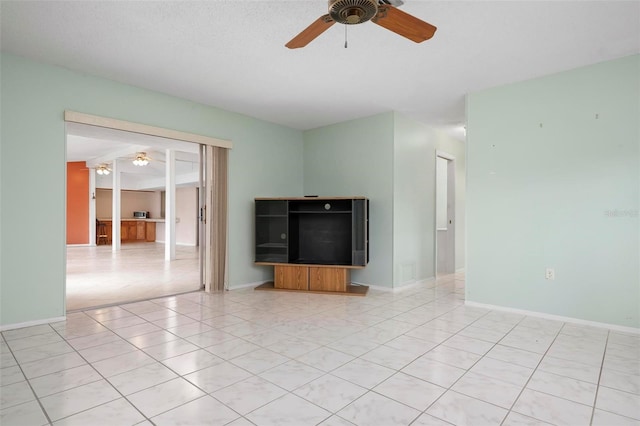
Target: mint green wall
{"points": [[265, 161], [356, 158], [553, 181], [413, 201], [415, 145], [389, 158]]}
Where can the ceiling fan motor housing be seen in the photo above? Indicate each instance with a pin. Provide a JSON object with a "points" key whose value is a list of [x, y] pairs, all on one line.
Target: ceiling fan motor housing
{"points": [[352, 12]]}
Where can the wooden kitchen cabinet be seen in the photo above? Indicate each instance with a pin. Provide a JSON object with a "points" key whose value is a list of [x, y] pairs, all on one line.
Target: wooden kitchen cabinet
{"points": [[141, 231], [128, 230], [124, 231], [133, 230], [109, 229], [150, 232]]}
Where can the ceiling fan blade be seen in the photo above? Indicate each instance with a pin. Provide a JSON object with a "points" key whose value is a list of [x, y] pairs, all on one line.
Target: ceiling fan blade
{"points": [[403, 24], [309, 34]]}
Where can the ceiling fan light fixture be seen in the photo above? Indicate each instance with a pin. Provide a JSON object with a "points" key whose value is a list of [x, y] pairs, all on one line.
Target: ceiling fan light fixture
{"points": [[354, 15], [141, 159], [351, 12], [103, 170]]}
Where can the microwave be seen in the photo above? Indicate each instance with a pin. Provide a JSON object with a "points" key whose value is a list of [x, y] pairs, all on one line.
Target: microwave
{"points": [[141, 215]]}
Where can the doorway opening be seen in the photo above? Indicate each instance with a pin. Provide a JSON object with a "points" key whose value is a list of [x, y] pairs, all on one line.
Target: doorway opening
{"points": [[130, 266], [445, 213], [135, 261]]}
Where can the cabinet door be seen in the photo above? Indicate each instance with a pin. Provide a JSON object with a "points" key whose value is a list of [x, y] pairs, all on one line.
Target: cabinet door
{"points": [[140, 231], [360, 233], [124, 231], [133, 231], [151, 232], [109, 231], [328, 279], [291, 277], [271, 226]]}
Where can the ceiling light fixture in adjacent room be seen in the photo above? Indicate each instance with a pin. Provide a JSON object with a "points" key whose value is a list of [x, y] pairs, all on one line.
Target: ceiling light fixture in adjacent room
{"points": [[103, 169], [141, 159]]}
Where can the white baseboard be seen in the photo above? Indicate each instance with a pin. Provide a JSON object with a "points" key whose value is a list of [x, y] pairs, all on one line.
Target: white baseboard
{"points": [[459, 270], [253, 284], [405, 286], [81, 245], [178, 244], [544, 315], [375, 287], [414, 284], [32, 323]]}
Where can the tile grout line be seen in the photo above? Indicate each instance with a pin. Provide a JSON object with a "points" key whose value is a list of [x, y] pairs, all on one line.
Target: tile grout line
{"points": [[138, 315], [400, 370], [368, 390], [534, 372], [595, 397], [27, 381], [180, 375], [163, 364], [475, 363], [142, 350], [288, 319], [103, 378]]}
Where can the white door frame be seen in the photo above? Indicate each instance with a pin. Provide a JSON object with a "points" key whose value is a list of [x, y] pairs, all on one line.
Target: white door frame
{"points": [[450, 265]]}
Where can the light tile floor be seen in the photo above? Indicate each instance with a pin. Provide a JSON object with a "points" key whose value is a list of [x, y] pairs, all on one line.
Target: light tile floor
{"points": [[96, 276], [418, 357]]}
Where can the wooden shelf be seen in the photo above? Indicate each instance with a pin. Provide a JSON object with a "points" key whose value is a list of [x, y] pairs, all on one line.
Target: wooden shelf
{"points": [[311, 265]]}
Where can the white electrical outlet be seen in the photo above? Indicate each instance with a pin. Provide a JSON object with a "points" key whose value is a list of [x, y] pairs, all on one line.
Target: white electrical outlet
{"points": [[550, 274]]}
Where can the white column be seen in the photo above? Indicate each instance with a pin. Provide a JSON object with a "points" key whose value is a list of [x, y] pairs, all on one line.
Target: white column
{"points": [[115, 211], [170, 207]]}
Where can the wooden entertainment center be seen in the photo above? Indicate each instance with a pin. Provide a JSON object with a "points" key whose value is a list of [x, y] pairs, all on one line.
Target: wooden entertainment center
{"points": [[313, 243]]}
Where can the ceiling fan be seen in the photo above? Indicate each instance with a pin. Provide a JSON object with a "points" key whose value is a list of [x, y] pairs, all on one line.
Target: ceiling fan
{"points": [[352, 12]]}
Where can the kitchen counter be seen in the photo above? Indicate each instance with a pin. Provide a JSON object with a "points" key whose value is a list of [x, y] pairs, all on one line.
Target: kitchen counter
{"points": [[101, 219]]}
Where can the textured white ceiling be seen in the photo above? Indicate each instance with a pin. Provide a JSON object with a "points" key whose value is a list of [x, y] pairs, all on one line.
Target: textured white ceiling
{"points": [[231, 54], [98, 145]]}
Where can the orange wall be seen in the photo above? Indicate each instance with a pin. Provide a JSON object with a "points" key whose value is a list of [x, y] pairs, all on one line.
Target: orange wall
{"points": [[77, 203]]}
